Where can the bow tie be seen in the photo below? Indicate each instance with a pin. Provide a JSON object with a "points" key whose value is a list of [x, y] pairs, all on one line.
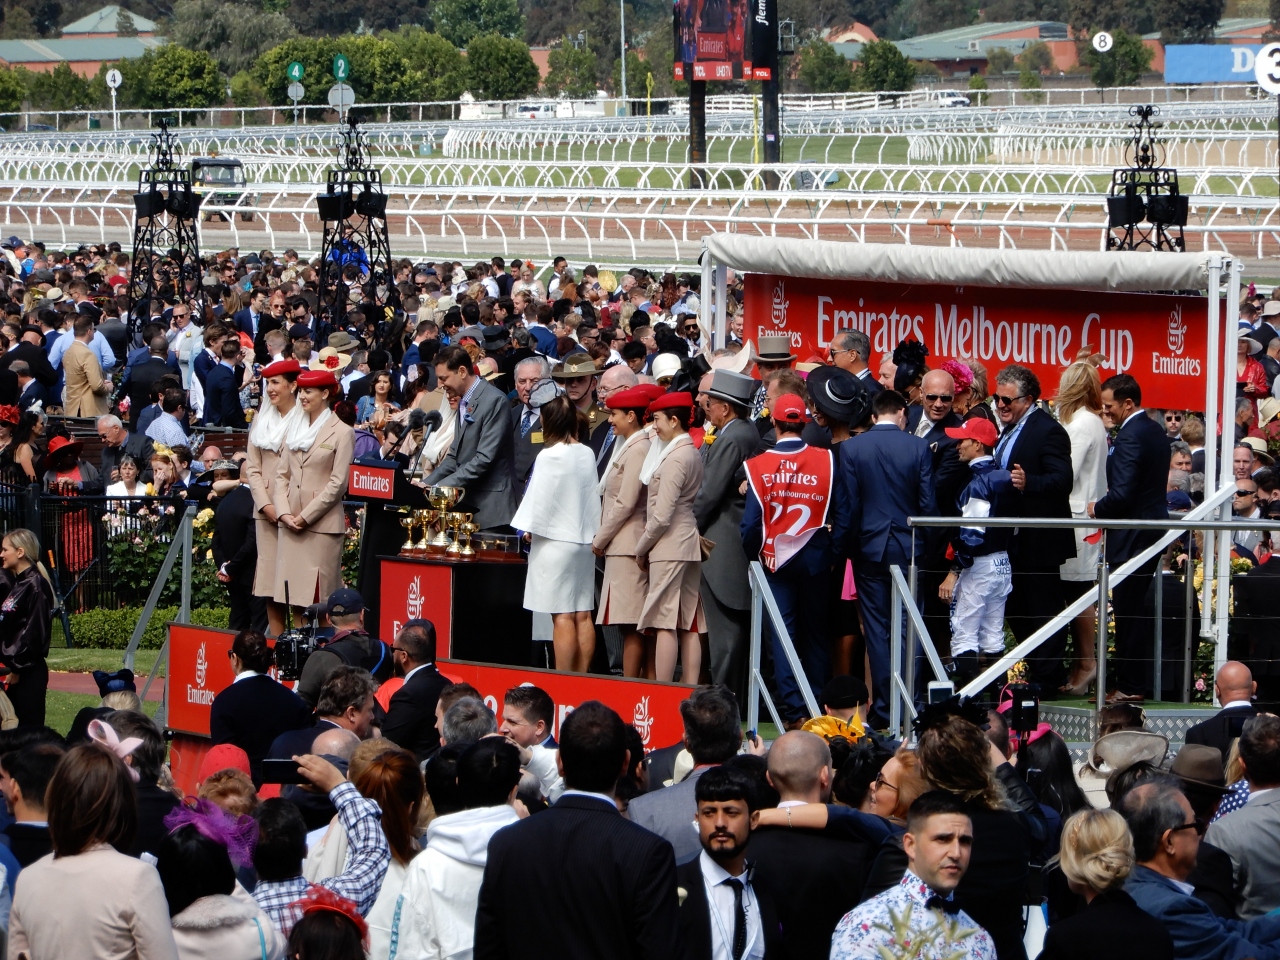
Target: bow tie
{"points": [[935, 902]]}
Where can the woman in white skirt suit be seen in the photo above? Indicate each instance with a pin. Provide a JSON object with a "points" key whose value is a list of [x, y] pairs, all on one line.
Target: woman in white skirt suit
{"points": [[1079, 404], [622, 521], [266, 439], [311, 480], [561, 513], [670, 547]]}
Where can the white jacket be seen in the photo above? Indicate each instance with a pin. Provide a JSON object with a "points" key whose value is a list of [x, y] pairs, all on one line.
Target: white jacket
{"points": [[438, 906], [226, 928]]}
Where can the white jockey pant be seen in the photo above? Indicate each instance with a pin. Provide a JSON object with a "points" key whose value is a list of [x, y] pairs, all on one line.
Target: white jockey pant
{"points": [[977, 605]]}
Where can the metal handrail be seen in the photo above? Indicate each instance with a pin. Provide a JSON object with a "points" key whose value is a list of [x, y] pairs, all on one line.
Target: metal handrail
{"points": [[762, 600]]}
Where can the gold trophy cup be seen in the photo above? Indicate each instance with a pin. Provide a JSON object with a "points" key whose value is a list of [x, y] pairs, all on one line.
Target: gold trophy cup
{"points": [[442, 499], [467, 528], [454, 522], [408, 520], [424, 518]]}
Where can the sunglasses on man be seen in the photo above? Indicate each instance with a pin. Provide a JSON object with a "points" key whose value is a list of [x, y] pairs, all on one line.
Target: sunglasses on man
{"points": [[1007, 401]]}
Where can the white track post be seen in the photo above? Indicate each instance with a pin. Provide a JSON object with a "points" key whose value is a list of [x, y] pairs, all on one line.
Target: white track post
{"points": [[1230, 346], [1211, 452]]}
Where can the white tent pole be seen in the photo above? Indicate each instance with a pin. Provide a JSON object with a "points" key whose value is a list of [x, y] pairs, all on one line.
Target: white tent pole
{"points": [[1211, 434], [1232, 340]]}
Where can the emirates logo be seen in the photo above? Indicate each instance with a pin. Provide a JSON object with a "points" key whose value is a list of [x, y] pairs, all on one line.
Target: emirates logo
{"points": [[780, 302], [202, 666], [413, 601], [1177, 334], [642, 721]]}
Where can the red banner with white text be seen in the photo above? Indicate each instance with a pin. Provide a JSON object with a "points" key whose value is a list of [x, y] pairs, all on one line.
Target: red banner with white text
{"points": [[1159, 339]]}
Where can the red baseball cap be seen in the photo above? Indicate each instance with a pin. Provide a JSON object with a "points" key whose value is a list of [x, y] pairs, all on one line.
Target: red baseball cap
{"points": [[789, 409], [975, 428]]}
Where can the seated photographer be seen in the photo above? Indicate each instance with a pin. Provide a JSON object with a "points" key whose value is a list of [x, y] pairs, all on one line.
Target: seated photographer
{"points": [[351, 645], [346, 701], [256, 708]]}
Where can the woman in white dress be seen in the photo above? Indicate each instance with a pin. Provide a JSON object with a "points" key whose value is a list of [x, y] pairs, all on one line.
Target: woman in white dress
{"points": [[561, 512], [1079, 404]]}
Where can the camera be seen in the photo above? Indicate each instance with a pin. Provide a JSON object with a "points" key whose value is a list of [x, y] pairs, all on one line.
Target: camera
{"points": [[1024, 713], [293, 647]]}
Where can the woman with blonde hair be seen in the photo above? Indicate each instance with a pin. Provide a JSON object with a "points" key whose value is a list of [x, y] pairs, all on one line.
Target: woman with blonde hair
{"points": [[26, 621], [1079, 408], [1096, 857]]}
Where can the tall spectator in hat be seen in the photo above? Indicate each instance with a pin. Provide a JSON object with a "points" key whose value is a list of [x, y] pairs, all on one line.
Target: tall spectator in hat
{"points": [[481, 457], [1137, 478], [774, 353], [978, 582], [310, 482], [276, 415], [1079, 406], [886, 475], [851, 350], [845, 698], [526, 422], [255, 708], [561, 512], [726, 596], [1036, 451], [669, 549], [622, 521], [789, 523]]}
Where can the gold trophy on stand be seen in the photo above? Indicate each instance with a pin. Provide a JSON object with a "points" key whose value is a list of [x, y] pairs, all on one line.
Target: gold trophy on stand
{"points": [[424, 518], [467, 528], [443, 499], [408, 520], [454, 520]]}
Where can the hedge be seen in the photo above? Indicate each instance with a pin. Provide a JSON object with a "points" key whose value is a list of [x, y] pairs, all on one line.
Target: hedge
{"points": [[111, 629]]}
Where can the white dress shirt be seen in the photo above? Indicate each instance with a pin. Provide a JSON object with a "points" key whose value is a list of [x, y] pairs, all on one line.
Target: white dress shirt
{"points": [[720, 906]]}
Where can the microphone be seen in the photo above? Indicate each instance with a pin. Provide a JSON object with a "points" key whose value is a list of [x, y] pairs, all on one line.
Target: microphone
{"points": [[431, 421], [417, 418]]}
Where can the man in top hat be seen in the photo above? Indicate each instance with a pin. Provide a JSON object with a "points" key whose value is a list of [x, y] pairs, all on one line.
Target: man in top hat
{"points": [[726, 595], [774, 353], [789, 522], [235, 550], [578, 377]]}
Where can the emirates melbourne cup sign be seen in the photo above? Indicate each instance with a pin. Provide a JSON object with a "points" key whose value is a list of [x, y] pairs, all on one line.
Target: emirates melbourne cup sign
{"points": [[1161, 340]]}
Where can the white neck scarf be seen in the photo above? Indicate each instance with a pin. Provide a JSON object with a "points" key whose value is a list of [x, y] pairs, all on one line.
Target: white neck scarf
{"points": [[270, 428], [657, 453], [616, 454], [302, 434]]}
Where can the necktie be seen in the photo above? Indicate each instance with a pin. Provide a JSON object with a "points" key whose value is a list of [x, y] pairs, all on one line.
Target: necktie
{"points": [[604, 447], [526, 424], [1002, 448], [739, 945], [935, 902]]}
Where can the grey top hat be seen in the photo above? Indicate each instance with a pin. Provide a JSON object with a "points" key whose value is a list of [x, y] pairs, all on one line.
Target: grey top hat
{"points": [[732, 387]]}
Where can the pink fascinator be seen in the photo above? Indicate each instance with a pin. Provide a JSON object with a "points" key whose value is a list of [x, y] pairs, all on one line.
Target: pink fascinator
{"points": [[960, 373], [106, 735], [238, 834]]}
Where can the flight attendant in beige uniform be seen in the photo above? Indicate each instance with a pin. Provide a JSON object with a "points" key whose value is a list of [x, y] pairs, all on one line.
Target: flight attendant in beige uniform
{"points": [[670, 547], [266, 440], [622, 522], [311, 479]]}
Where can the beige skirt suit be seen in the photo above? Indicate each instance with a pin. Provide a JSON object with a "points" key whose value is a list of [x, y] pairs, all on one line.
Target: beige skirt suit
{"points": [[260, 467], [310, 484], [672, 544], [622, 521]]}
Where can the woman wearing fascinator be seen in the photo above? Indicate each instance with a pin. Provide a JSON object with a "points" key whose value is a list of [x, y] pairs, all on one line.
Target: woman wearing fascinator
{"points": [[909, 359], [212, 916]]}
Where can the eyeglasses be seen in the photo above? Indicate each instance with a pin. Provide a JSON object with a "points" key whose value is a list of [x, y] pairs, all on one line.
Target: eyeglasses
{"points": [[1198, 825], [1173, 418], [1008, 401], [939, 397], [1246, 493], [880, 781]]}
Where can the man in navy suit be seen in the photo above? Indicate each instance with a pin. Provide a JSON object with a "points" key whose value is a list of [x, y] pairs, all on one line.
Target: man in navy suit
{"points": [[222, 389], [1036, 451], [1137, 479], [248, 319], [885, 476], [605, 886], [411, 712]]}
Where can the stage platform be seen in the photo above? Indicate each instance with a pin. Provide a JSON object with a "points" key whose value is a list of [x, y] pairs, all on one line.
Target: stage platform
{"points": [[1075, 721]]}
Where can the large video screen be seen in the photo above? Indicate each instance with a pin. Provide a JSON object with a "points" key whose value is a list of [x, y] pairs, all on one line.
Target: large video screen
{"points": [[717, 39]]}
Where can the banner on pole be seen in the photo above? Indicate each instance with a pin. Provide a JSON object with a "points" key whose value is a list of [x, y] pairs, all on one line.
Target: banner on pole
{"points": [[1159, 339]]}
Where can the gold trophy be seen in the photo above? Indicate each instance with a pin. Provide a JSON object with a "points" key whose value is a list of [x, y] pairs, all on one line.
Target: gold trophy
{"points": [[442, 499], [408, 520], [424, 518], [454, 522], [467, 528]]}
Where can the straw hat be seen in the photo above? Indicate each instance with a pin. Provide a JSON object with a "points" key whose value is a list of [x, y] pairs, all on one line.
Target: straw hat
{"points": [[331, 359]]}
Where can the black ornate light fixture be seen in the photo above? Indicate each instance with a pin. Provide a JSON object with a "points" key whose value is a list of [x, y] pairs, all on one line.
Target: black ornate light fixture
{"points": [[1145, 208], [354, 211], [166, 244]]}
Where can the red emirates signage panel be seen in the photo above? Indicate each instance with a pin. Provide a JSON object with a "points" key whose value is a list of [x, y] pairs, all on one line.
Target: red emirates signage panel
{"points": [[414, 590], [199, 669], [1159, 339], [377, 482]]}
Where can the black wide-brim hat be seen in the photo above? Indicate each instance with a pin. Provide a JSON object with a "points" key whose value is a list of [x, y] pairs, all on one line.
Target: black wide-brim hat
{"points": [[837, 394]]}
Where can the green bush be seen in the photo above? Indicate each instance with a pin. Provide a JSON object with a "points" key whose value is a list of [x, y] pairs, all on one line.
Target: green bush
{"points": [[111, 629]]}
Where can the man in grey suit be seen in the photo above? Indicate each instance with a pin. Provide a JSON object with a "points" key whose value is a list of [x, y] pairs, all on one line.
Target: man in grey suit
{"points": [[712, 734], [726, 597], [526, 422], [1251, 835], [480, 460]]}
